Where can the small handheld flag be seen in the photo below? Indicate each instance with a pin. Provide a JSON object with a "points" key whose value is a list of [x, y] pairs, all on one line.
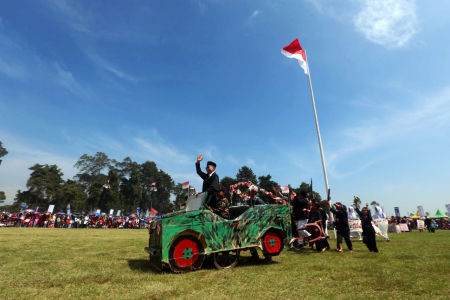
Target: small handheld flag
{"points": [[185, 185]]}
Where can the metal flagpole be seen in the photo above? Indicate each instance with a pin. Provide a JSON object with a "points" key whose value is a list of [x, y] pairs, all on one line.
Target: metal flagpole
{"points": [[318, 133], [317, 127]]}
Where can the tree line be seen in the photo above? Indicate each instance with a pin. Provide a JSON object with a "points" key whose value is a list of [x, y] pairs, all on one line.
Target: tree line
{"points": [[104, 183]]}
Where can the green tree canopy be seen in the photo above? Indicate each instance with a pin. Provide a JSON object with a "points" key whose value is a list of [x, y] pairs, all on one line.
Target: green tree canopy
{"points": [[266, 182], [44, 183], [74, 193], [374, 203], [3, 151], [91, 167], [2, 197]]}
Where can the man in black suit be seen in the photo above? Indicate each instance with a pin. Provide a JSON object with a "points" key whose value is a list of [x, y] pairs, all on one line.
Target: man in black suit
{"points": [[210, 179]]}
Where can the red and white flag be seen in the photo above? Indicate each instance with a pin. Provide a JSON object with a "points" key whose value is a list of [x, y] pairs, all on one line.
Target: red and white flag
{"points": [[294, 50], [285, 189], [185, 185], [153, 211], [192, 188], [109, 179], [154, 183]]}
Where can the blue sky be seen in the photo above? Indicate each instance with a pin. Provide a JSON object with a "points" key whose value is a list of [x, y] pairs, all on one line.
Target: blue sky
{"points": [[166, 80]]}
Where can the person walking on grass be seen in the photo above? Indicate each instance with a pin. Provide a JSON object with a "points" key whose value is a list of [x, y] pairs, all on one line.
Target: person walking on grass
{"points": [[369, 238], [342, 228]]}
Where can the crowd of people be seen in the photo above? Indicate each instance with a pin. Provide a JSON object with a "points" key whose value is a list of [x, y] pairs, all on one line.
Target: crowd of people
{"points": [[61, 220]]}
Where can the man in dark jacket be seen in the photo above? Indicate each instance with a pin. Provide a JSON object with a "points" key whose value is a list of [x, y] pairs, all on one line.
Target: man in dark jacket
{"points": [[369, 238], [301, 214], [342, 228], [210, 180]]}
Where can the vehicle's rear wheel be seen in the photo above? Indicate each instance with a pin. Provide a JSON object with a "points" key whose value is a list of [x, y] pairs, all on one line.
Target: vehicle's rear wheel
{"points": [[186, 254], [226, 259], [272, 243]]}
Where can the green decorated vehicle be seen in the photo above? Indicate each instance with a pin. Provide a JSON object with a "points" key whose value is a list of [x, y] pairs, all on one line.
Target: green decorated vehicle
{"points": [[181, 240]]}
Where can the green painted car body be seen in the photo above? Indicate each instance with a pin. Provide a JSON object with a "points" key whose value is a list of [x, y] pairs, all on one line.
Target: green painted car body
{"points": [[245, 229]]}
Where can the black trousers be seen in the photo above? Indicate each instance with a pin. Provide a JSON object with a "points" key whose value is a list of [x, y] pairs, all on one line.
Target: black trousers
{"points": [[370, 241], [346, 235]]}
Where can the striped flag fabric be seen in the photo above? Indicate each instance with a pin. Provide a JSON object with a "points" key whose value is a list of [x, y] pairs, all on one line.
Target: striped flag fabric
{"points": [[285, 189], [185, 185], [294, 50]]}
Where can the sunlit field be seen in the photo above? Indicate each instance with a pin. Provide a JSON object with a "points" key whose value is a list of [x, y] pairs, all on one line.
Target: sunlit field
{"points": [[111, 264]]}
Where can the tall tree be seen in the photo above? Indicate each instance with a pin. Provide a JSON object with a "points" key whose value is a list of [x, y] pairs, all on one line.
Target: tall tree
{"points": [[306, 187], [91, 167], [149, 174], [3, 152], [44, 183], [266, 182], [245, 174], [2, 197], [110, 198], [374, 203], [180, 196], [95, 192], [227, 182], [74, 193]]}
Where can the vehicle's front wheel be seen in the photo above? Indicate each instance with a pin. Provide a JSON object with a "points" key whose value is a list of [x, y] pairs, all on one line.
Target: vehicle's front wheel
{"points": [[226, 259], [186, 254], [272, 243]]}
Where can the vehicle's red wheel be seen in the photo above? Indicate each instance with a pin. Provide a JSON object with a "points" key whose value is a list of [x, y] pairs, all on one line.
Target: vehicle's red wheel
{"points": [[186, 254], [272, 243]]}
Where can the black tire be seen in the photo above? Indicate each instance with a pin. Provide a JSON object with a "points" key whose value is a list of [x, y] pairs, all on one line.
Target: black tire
{"points": [[226, 259], [186, 254]]}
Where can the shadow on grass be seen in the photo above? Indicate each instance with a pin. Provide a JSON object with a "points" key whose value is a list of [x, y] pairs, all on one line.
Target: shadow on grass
{"points": [[142, 265]]}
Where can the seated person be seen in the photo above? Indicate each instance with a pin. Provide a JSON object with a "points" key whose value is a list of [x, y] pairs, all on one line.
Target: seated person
{"points": [[221, 204], [255, 199]]}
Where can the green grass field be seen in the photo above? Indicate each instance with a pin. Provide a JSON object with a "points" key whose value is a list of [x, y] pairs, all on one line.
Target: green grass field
{"points": [[40, 263]]}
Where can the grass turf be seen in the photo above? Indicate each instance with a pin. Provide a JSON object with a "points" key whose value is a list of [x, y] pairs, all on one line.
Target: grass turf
{"points": [[41, 263]]}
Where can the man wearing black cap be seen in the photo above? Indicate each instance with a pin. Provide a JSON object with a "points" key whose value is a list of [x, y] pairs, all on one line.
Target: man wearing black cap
{"points": [[210, 179]]}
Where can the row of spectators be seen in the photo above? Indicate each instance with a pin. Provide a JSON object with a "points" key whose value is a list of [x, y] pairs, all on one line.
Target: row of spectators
{"points": [[61, 220]]}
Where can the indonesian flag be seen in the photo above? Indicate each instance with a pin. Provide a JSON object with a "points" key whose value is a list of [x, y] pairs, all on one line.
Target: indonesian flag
{"points": [[109, 179], [294, 50], [153, 211], [185, 185], [192, 188], [285, 189], [154, 183]]}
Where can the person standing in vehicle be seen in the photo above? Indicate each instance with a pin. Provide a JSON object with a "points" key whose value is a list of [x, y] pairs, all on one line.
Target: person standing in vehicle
{"points": [[210, 179]]}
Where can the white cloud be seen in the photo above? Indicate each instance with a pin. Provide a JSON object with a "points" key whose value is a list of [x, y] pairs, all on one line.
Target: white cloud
{"points": [[255, 13], [426, 112], [391, 23], [14, 168], [72, 14], [15, 71], [102, 63], [252, 17], [65, 79], [232, 160]]}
